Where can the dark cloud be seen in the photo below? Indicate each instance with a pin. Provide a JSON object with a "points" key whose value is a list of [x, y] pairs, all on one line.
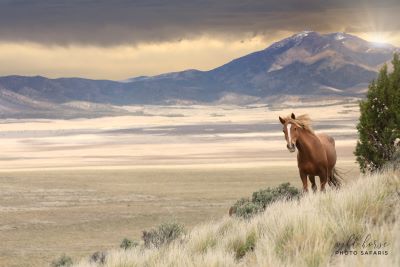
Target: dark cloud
{"points": [[102, 22]]}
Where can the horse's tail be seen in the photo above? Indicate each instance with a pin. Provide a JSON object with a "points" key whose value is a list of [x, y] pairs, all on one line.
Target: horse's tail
{"points": [[336, 179]]}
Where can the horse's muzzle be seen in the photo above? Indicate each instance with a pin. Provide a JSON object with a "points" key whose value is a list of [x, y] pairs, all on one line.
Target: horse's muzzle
{"points": [[291, 148]]}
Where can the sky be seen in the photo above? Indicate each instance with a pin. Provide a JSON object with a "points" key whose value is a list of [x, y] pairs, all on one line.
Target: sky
{"points": [[120, 39]]}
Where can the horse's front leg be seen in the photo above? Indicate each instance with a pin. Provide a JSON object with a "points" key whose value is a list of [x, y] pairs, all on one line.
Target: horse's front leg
{"points": [[323, 178], [303, 177], [313, 185]]}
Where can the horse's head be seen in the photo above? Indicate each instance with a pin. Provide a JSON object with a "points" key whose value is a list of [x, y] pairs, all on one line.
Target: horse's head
{"points": [[291, 131]]}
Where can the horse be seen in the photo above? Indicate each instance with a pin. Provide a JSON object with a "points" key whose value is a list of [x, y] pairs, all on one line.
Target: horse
{"points": [[316, 152]]}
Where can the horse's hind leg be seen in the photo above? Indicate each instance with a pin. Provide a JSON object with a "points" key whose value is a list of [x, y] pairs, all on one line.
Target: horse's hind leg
{"points": [[312, 180]]}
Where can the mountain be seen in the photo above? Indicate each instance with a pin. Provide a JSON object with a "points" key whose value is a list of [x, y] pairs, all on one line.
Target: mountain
{"points": [[307, 63], [18, 105]]}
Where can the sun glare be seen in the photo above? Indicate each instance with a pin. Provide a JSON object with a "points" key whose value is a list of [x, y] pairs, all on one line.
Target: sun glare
{"points": [[379, 37]]}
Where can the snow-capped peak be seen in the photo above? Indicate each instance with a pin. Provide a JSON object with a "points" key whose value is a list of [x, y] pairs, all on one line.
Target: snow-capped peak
{"points": [[297, 38], [339, 36], [302, 34]]}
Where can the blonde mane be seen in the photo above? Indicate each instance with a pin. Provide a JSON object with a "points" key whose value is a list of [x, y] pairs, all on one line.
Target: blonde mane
{"points": [[302, 121]]}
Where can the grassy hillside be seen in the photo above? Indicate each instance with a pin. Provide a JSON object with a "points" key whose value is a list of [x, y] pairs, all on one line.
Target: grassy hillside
{"points": [[362, 217]]}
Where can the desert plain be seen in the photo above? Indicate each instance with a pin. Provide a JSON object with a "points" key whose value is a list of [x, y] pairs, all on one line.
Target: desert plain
{"points": [[81, 185]]}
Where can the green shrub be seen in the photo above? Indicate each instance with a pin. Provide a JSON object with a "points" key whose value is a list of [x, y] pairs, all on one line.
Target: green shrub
{"points": [[237, 204], [63, 261], [127, 244], [283, 191], [164, 234], [248, 209], [99, 257], [245, 208]]}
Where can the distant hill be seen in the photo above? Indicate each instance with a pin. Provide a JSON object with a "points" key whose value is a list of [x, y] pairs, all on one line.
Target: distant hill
{"points": [[27, 104], [307, 63]]}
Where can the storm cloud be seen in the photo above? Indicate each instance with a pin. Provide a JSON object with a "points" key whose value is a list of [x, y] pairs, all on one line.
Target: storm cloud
{"points": [[108, 23]]}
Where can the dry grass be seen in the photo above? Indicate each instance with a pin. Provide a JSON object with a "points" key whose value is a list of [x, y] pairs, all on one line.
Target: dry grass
{"points": [[290, 233], [48, 213]]}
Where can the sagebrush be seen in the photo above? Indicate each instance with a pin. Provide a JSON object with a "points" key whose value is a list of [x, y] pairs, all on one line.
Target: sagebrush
{"points": [[163, 234], [62, 261], [128, 243], [246, 208]]}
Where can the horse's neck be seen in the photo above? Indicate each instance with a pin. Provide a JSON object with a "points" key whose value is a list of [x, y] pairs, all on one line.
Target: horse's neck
{"points": [[304, 144]]}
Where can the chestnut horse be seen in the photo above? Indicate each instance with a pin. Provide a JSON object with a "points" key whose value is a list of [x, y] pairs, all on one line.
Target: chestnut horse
{"points": [[316, 152]]}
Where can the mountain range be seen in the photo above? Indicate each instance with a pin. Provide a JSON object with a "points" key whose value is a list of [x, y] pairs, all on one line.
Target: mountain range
{"points": [[307, 63]]}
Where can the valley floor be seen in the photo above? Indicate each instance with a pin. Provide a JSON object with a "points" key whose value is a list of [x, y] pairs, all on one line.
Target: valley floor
{"points": [[160, 136], [79, 186]]}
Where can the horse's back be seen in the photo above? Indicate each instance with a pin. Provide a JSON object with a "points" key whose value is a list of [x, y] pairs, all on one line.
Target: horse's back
{"points": [[326, 139], [329, 145]]}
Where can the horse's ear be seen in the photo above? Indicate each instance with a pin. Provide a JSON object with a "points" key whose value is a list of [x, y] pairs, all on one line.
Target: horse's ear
{"points": [[282, 120], [293, 116]]}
